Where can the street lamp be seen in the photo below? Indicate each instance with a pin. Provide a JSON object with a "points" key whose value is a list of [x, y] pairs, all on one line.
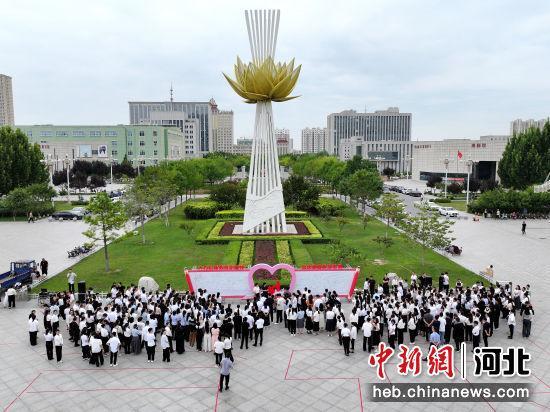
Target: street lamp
{"points": [[378, 159], [469, 164], [446, 162], [408, 163], [67, 163], [111, 160]]}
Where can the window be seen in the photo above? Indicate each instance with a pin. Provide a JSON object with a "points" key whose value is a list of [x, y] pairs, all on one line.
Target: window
{"points": [[130, 153], [95, 133], [29, 133], [78, 133], [154, 133], [114, 152], [114, 143], [46, 133], [154, 142], [130, 143], [111, 133], [141, 133], [130, 133], [61, 133], [155, 152], [142, 152], [142, 143]]}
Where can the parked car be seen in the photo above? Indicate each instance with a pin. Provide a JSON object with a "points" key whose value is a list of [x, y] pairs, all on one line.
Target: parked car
{"points": [[66, 215], [448, 211], [433, 206], [415, 193], [79, 211]]}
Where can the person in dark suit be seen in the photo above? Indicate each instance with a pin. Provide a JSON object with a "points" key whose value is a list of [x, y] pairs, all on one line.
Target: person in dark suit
{"points": [[458, 332]]}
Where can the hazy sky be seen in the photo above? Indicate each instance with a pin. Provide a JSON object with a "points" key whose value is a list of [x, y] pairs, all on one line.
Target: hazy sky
{"points": [[462, 68]]}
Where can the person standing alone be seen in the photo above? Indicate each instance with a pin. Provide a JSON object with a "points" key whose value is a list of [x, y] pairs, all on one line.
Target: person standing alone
{"points": [[71, 276], [58, 343], [523, 227], [225, 368]]}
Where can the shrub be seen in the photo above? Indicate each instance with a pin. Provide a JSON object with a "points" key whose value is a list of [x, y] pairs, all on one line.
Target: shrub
{"points": [[312, 228], [283, 252], [79, 202], [231, 255], [201, 238], [246, 255], [454, 188], [511, 201], [442, 200], [229, 194], [204, 209], [300, 254], [215, 232], [329, 207]]}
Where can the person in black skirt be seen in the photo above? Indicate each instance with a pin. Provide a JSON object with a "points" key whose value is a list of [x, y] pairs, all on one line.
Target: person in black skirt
{"points": [[33, 328], [48, 338]]}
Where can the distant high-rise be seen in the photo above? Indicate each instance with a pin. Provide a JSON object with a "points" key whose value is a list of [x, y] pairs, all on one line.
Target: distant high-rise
{"points": [[284, 142], [222, 129], [520, 125], [314, 140], [6, 101], [173, 113], [384, 125]]}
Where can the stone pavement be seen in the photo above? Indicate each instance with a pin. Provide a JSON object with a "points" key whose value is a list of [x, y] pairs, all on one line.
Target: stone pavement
{"points": [[304, 372]]}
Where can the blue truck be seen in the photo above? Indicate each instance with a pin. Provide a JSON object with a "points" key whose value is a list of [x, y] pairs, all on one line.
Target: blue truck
{"points": [[20, 272]]}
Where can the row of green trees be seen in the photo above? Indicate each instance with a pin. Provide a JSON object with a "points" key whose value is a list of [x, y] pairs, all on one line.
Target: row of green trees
{"points": [[21, 163], [35, 198], [508, 201]]}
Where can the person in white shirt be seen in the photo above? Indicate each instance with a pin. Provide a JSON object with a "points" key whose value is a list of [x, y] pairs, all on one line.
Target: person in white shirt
{"points": [[10, 293], [71, 276], [511, 324], [345, 334], [280, 309], [412, 328], [58, 343], [33, 328], [165, 345], [150, 345], [85, 344], [48, 337], [367, 333], [97, 353], [353, 336], [218, 350], [476, 337], [114, 345], [259, 331]]}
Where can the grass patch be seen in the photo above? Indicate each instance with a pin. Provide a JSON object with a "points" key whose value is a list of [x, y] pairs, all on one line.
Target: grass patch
{"points": [[246, 255], [165, 255], [300, 253], [231, 256], [283, 252], [61, 205]]}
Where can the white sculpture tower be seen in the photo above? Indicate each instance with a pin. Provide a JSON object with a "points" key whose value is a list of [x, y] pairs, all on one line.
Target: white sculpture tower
{"points": [[261, 82]]}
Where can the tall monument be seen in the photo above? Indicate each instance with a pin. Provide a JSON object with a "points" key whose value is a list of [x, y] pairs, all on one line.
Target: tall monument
{"points": [[260, 82]]}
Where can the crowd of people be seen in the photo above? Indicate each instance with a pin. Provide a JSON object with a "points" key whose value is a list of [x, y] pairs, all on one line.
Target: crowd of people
{"points": [[131, 319]]}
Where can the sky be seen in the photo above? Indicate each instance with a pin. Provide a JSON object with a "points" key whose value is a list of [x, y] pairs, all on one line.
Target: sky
{"points": [[462, 68]]}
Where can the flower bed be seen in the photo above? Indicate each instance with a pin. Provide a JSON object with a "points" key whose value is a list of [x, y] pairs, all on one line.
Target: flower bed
{"points": [[283, 252]]}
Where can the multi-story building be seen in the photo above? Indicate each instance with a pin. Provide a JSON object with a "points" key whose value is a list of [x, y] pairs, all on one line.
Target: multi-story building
{"points": [[141, 144], [385, 125], [284, 142], [191, 134], [314, 140], [519, 125], [6, 101], [243, 146], [385, 153], [222, 129], [452, 155], [173, 113]]}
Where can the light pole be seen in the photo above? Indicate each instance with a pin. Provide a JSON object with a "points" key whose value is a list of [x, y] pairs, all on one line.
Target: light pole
{"points": [[469, 164], [408, 162], [67, 162], [446, 161], [111, 164]]}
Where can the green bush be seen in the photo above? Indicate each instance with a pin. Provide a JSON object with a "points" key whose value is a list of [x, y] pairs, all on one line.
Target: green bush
{"points": [[283, 252], [239, 214], [79, 202], [511, 201], [330, 207], [442, 200], [202, 237], [200, 209], [215, 232], [312, 228], [299, 253], [231, 255], [246, 255]]}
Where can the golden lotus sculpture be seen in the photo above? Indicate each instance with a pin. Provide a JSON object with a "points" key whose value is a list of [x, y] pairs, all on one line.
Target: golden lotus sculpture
{"points": [[257, 82]]}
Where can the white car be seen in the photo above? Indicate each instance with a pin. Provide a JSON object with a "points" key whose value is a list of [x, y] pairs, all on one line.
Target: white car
{"points": [[433, 206], [448, 211]]}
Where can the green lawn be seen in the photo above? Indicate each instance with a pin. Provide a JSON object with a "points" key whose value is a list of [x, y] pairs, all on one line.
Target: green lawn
{"points": [[458, 205], [61, 205], [167, 251], [402, 258]]}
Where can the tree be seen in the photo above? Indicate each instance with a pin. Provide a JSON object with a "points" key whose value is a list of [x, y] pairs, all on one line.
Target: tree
{"points": [[188, 176], [526, 158], [229, 194], [97, 181], [365, 185], [105, 219], [18, 201], [341, 221], [384, 242], [475, 185], [433, 181], [215, 169], [21, 163], [487, 185], [358, 163], [342, 253], [391, 209], [454, 188], [299, 192], [123, 168], [388, 171], [428, 230], [139, 202], [59, 177], [162, 187]]}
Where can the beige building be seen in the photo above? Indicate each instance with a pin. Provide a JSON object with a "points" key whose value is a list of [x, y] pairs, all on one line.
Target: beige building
{"points": [[396, 155], [284, 142], [243, 146], [314, 140], [6, 101], [519, 125], [222, 130]]}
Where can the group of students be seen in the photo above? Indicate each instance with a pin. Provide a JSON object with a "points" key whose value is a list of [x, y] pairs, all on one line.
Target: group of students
{"points": [[131, 319]]}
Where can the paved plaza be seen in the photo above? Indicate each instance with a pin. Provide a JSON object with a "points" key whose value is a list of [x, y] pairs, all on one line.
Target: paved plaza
{"points": [[288, 373]]}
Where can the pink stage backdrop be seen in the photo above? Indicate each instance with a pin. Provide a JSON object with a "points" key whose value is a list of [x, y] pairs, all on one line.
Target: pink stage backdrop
{"points": [[238, 283]]}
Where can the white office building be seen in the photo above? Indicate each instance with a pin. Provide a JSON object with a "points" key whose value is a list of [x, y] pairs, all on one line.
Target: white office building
{"points": [[222, 130], [519, 125], [6, 101], [385, 153], [284, 142], [314, 140]]}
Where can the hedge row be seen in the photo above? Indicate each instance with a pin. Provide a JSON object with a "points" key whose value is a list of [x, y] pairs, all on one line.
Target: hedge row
{"points": [[200, 209], [203, 239], [283, 252], [239, 214], [246, 255], [314, 232], [511, 201], [215, 232], [300, 253], [442, 200], [231, 255], [38, 210], [330, 207]]}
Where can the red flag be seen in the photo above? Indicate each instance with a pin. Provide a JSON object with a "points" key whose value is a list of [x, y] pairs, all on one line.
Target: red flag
{"points": [[278, 285], [459, 154]]}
